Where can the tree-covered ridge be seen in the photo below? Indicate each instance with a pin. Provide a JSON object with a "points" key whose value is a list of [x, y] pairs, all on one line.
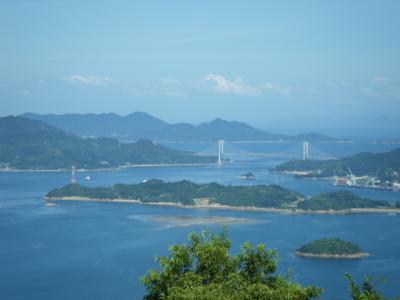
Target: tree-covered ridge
{"points": [[339, 201], [385, 166], [332, 246], [204, 269], [29, 144], [185, 192]]}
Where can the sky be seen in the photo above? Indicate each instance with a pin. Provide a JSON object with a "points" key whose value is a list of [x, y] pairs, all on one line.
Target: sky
{"points": [[274, 64]]}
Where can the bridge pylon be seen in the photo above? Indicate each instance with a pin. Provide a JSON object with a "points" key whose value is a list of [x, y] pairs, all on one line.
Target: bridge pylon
{"points": [[306, 155], [73, 175], [220, 152]]}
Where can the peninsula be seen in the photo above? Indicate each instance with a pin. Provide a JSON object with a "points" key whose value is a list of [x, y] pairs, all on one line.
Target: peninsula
{"points": [[270, 198], [33, 145], [331, 248], [369, 170]]}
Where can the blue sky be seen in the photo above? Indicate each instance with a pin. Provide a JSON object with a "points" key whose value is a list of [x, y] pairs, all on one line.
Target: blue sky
{"points": [[274, 64]]}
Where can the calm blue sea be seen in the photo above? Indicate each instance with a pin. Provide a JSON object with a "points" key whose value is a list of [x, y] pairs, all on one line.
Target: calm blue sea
{"points": [[99, 250]]}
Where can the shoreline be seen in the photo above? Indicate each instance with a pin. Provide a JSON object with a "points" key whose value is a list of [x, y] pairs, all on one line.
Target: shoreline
{"points": [[302, 175], [236, 208], [332, 256], [63, 170]]}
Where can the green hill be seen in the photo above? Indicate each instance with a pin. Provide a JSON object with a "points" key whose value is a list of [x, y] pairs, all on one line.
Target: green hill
{"points": [[190, 193], [386, 166], [30, 144], [185, 192], [339, 201], [333, 246]]}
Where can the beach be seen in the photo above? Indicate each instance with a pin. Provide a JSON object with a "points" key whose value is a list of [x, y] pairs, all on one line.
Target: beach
{"points": [[334, 256], [291, 211]]}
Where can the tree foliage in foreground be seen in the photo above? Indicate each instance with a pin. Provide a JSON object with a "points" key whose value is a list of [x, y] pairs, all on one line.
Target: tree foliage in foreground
{"points": [[366, 291], [204, 269]]}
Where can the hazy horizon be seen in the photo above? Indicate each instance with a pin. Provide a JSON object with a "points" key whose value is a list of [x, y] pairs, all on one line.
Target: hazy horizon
{"points": [[367, 132], [288, 66]]}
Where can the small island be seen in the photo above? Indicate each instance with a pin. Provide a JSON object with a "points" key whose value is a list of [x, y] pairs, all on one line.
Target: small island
{"points": [[248, 175], [331, 248]]}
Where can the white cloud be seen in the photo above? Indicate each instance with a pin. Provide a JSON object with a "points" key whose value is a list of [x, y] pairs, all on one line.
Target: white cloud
{"points": [[276, 88], [88, 80], [370, 93], [173, 88], [24, 92], [236, 87], [381, 79], [168, 87], [341, 84]]}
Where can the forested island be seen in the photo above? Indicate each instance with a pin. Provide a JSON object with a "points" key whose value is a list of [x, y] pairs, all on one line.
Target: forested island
{"points": [[384, 166], [331, 248], [213, 195], [33, 145], [184, 193], [247, 175]]}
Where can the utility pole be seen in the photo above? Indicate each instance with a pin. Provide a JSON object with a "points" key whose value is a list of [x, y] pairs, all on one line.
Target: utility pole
{"points": [[306, 155]]}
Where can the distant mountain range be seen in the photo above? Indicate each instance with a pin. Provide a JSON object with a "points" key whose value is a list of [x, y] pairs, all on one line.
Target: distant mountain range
{"points": [[31, 144], [140, 125]]}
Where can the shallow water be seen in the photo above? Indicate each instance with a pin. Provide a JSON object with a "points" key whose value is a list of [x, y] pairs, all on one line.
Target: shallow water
{"points": [[99, 250]]}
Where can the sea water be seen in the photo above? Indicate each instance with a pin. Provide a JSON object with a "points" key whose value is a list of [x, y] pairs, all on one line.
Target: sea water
{"points": [[77, 250]]}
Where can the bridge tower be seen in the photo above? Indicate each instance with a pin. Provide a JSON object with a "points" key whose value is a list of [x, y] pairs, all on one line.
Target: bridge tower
{"points": [[220, 152], [73, 175], [306, 155]]}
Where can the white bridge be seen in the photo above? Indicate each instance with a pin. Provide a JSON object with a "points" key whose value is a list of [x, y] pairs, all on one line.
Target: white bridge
{"points": [[303, 150]]}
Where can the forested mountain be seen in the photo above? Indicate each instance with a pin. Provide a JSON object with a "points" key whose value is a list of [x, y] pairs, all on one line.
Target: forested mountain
{"points": [[140, 125], [31, 144], [384, 165]]}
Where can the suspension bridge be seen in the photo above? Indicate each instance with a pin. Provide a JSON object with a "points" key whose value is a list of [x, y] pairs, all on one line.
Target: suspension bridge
{"points": [[229, 150]]}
